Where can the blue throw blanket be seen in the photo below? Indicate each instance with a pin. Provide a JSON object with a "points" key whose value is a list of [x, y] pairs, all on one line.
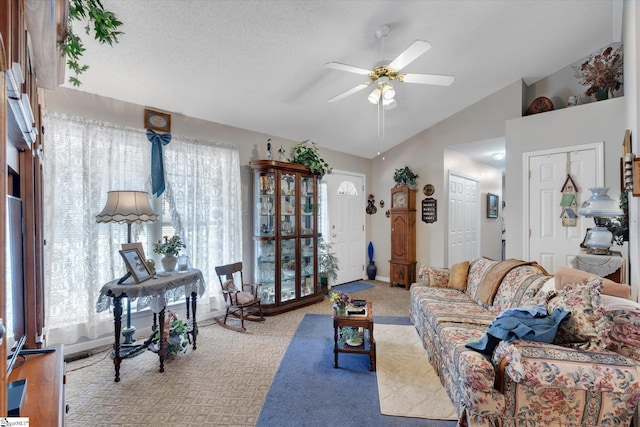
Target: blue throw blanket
{"points": [[524, 323]]}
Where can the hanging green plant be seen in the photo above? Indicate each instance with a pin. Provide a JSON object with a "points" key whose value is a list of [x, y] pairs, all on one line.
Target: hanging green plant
{"points": [[306, 153], [105, 28]]}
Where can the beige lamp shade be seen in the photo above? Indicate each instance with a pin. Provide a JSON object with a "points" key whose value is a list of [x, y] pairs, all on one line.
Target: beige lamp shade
{"points": [[127, 207]]}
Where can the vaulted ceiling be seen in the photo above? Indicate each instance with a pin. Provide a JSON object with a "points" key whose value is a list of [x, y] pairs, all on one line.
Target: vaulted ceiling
{"points": [[260, 65]]}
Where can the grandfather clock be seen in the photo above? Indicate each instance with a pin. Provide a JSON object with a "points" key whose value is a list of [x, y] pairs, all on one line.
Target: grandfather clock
{"points": [[403, 236]]}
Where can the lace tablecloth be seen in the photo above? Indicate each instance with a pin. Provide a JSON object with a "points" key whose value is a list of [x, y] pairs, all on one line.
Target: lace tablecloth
{"points": [[154, 293], [602, 265]]}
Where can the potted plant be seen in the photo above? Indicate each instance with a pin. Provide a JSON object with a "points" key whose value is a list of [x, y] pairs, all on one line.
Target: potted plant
{"points": [[175, 332], [619, 226], [170, 247], [602, 73], [307, 154], [328, 265], [405, 176]]}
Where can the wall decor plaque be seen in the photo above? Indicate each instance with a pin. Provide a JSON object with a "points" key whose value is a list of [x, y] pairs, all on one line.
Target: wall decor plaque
{"points": [[429, 210]]}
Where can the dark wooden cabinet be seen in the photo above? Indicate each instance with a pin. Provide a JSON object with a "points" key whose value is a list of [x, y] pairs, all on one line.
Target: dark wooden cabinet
{"points": [[285, 231], [403, 236]]}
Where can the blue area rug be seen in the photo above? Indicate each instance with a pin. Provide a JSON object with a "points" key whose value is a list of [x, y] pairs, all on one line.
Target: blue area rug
{"points": [[308, 391], [352, 287]]}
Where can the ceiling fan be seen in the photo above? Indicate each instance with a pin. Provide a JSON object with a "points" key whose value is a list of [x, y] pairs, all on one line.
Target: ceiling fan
{"points": [[385, 71]]}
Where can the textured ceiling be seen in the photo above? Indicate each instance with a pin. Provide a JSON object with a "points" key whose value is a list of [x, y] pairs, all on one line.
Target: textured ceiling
{"points": [[260, 65]]}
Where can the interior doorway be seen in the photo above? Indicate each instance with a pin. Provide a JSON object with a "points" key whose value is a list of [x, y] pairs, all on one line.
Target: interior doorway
{"points": [[464, 219], [548, 242], [344, 223]]}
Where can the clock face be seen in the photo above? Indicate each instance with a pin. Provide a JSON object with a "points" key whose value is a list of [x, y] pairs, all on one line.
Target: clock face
{"points": [[399, 200]]}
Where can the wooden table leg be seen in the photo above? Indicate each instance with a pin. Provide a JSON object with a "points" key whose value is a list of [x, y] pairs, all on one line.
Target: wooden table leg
{"points": [[335, 346], [117, 322], [194, 331], [162, 349]]}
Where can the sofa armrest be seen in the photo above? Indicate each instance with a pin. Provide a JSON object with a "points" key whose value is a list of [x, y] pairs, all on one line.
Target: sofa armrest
{"points": [[551, 365], [434, 276]]}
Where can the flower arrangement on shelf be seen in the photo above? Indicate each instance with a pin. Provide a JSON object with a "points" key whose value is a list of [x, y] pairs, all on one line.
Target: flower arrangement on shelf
{"points": [[340, 299], [169, 245], [602, 73]]}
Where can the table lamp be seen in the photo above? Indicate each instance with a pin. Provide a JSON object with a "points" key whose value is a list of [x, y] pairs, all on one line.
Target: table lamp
{"points": [[601, 208], [127, 207]]}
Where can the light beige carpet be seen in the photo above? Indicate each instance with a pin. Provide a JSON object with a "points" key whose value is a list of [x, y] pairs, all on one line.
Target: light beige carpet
{"points": [[407, 384]]}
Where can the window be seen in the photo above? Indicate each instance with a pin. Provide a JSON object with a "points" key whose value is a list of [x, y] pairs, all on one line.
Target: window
{"points": [[85, 159]]}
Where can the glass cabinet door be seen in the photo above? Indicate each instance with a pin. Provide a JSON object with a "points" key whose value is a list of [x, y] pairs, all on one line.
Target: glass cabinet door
{"points": [[266, 270], [288, 269], [264, 223], [287, 205], [307, 273], [307, 223]]}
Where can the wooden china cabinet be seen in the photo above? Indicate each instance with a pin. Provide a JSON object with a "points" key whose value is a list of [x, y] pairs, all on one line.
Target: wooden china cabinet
{"points": [[285, 231], [403, 236]]}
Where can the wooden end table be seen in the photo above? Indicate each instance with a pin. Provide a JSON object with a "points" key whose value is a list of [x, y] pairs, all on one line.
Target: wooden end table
{"points": [[368, 346]]}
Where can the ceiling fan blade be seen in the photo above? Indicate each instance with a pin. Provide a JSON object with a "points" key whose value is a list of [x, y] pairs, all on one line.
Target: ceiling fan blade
{"points": [[349, 68], [410, 54], [427, 79], [349, 92]]}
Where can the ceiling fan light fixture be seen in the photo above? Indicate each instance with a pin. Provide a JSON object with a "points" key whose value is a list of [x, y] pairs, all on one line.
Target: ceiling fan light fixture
{"points": [[374, 97], [388, 92]]}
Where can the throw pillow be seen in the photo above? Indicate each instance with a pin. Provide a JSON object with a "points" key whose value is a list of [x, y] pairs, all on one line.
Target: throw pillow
{"points": [[587, 327], [458, 276], [439, 277], [566, 275]]}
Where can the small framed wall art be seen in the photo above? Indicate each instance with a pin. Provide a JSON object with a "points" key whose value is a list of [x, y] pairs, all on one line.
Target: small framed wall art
{"points": [[157, 120], [492, 205]]}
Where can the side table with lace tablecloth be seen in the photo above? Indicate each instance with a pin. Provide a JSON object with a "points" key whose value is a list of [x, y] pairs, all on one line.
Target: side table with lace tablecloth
{"points": [[613, 267], [153, 293]]}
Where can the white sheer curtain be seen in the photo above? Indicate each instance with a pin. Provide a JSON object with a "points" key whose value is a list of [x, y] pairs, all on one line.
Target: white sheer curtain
{"points": [[83, 160]]}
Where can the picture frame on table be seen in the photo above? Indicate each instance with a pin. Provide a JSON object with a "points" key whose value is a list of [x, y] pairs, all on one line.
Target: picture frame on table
{"points": [[492, 205], [157, 120], [136, 245], [136, 265]]}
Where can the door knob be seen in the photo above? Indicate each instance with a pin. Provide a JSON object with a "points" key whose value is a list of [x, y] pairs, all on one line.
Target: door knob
{"points": [[333, 234]]}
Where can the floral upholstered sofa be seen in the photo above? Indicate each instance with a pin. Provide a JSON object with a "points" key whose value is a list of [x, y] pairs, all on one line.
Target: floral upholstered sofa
{"points": [[588, 376]]}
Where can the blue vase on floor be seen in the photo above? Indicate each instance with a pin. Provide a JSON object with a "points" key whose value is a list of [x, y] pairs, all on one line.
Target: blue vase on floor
{"points": [[372, 270]]}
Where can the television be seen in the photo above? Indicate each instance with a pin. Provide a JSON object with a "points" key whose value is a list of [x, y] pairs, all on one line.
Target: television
{"points": [[16, 331]]}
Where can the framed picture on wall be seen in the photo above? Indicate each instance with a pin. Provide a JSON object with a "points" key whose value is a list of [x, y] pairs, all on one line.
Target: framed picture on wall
{"points": [[157, 120], [492, 205]]}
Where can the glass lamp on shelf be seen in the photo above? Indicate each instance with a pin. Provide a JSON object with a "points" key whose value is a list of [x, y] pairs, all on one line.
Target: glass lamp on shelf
{"points": [[601, 208]]}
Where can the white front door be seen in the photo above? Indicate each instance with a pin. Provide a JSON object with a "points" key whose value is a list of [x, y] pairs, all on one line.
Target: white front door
{"points": [[551, 244], [464, 217], [345, 223]]}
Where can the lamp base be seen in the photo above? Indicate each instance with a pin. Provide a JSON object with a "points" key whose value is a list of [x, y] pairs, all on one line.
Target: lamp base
{"points": [[127, 333], [599, 251]]}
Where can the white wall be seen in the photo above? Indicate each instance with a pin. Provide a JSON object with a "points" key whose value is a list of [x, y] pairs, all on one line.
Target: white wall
{"points": [[594, 122], [425, 154]]}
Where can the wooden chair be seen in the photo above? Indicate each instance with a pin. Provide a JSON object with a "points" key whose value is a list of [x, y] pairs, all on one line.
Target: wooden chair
{"points": [[241, 299]]}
